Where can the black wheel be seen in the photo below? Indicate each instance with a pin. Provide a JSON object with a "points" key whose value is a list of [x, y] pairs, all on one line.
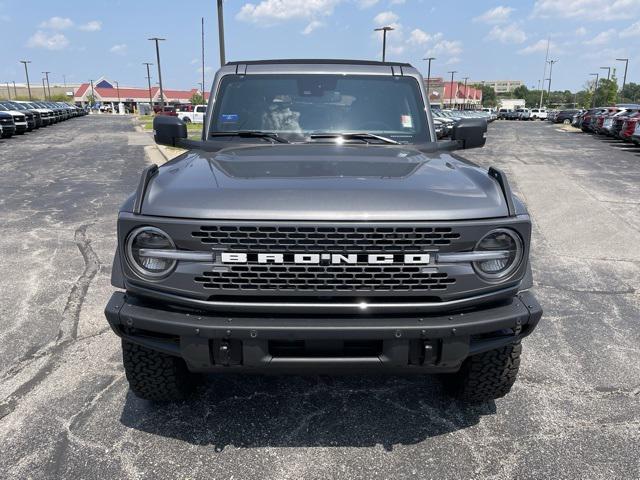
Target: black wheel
{"points": [[156, 376], [485, 376], [186, 120]]}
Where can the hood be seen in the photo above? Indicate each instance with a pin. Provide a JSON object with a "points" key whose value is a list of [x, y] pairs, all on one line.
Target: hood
{"points": [[322, 182]]}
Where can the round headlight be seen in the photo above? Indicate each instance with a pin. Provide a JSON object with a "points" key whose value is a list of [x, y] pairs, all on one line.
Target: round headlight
{"points": [[507, 246], [140, 246]]}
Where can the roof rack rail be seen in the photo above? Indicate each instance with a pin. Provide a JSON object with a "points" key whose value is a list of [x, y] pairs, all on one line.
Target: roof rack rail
{"points": [[146, 176], [501, 178]]}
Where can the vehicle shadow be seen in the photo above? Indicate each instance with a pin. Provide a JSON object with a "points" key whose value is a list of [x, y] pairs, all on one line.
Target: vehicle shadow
{"points": [[316, 411]]}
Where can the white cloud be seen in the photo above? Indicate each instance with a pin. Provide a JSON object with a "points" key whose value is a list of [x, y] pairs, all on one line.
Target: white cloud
{"points": [[539, 46], [313, 25], [602, 38], [631, 31], [385, 18], [272, 11], [451, 48], [452, 61], [92, 26], [195, 61], [495, 15], [57, 23], [418, 37], [367, 3], [587, 9], [581, 31], [40, 39], [119, 49], [508, 34]]}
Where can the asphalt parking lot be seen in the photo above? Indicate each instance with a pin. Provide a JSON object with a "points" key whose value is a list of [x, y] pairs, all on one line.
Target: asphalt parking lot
{"points": [[65, 411]]}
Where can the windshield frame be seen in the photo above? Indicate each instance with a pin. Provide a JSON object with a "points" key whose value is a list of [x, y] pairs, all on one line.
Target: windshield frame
{"points": [[320, 69]]}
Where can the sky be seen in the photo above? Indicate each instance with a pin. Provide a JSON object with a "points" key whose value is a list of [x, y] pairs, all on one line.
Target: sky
{"points": [[482, 40]]}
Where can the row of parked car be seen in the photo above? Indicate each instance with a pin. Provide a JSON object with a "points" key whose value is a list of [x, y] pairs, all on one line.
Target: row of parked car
{"points": [[17, 117], [523, 114], [444, 120], [620, 121]]}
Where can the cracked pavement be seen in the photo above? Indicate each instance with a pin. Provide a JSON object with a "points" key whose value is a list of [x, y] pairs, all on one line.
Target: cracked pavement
{"points": [[65, 411]]}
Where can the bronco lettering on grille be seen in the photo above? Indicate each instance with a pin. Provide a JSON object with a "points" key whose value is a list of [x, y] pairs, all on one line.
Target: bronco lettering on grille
{"points": [[328, 258]]}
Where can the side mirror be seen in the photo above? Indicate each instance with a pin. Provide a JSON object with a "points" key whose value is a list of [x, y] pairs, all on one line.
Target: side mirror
{"points": [[470, 132], [168, 130]]}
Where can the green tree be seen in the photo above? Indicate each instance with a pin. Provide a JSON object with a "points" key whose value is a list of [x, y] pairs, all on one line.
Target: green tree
{"points": [[488, 95], [197, 99], [630, 93], [607, 92]]}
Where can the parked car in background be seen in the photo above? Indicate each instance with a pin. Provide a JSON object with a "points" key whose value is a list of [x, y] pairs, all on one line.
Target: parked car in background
{"points": [[619, 118], [503, 112], [20, 119], [523, 114], [8, 125], [635, 136], [538, 114], [629, 127], [167, 111], [46, 114], [565, 116], [20, 107], [195, 114]]}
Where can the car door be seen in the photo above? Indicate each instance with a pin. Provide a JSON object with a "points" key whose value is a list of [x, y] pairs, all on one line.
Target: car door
{"points": [[198, 114]]}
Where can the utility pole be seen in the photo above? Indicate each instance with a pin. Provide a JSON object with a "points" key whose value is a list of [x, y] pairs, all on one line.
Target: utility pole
{"points": [[384, 31], [64, 81], [608, 69], [15, 90], [551, 62], [465, 93], [118, 90], [451, 91], [44, 90], [595, 89], [626, 64], [221, 32], [8, 91], [26, 72], [544, 74], [156, 39], [48, 87], [429, 75], [202, 31], [149, 82], [93, 94]]}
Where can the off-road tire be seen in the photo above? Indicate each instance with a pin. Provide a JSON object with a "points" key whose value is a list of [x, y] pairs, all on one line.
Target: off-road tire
{"points": [[485, 376], [156, 376]]}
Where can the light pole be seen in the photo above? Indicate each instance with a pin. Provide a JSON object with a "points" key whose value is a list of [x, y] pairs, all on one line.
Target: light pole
{"points": [[93, 94], [429, 59], [156, 39], [608, 69], [48, 87], [118, 90], [202, 32], [26, 72], [626, 64], [44, 90], [15, 90], [8, 91], [544, 72], [465, 93], [551, 62], [149, 82], [221, 32], [451, 91], [384, 31], [595, 89]]}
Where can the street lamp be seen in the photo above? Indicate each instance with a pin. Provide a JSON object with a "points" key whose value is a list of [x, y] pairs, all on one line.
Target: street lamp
{"points": [[156, 39], [384, 31], [149, 82], [118, 90], [428, 59], [48, 87], [451, 91], [608, 69], [626, 64], [221, 32], [26, 72], [465, 93], [551, 62], [595, 88]]}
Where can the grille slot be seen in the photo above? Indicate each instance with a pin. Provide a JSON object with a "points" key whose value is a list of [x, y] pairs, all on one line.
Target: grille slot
{"points": [[262, 238], [330, 278]]}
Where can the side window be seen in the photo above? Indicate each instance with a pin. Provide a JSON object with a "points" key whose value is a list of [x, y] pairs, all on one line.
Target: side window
{"points": [[201, 108]]}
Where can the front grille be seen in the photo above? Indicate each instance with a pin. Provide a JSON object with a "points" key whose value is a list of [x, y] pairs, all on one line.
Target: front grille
{"points": [[339, 278], [262, 238]]}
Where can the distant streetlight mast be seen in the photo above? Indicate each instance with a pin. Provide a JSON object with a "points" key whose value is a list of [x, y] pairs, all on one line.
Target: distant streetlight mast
{"points": [[156, 40], [608, 69], [384, 31], [429, 59], [465, 93], [202, 32], [149, 82], [221, 32], [26, 72], [451, 91], [595, 88], [626, 64], [551, 62], [48, 87]]}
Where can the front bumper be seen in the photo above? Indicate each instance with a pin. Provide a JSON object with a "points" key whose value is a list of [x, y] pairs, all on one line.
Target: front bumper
{"points": [[225, 343]]}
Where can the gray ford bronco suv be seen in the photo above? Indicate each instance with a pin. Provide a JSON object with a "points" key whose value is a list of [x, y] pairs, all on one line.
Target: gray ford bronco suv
{"points": [[319, 226]]}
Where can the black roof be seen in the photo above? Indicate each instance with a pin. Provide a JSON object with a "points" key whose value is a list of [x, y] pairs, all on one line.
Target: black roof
{"points": [[319, 61]]}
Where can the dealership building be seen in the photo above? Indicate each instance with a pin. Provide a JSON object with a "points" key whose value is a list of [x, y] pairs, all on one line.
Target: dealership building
{"points": [[109, 93], [454, 95]]}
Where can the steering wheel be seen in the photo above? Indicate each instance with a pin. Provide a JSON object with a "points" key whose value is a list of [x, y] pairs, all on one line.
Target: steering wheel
{"points": [[375, 125]]}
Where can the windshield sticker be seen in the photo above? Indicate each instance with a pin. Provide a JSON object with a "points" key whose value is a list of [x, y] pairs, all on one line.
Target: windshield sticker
{"points": [[406, 121], [229, 117]]}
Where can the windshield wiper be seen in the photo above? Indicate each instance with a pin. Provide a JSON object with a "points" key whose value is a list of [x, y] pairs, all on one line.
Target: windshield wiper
{"points": [[365, 137], [250, 134]]}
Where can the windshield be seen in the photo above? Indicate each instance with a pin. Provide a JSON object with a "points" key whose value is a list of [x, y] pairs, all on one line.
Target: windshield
{"points": [[296, 106]]}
